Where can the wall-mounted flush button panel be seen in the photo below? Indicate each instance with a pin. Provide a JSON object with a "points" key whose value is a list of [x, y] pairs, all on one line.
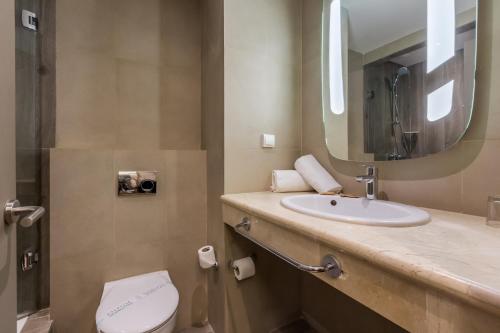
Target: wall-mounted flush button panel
{"points": [[268, 140], [137, 182]]}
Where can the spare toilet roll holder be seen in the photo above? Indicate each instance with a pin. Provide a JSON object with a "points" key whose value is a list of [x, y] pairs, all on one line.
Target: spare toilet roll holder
{"points": [[215, 264], [329, 264]]}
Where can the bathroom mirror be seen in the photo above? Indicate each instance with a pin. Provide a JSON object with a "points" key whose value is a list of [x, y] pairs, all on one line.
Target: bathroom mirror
{"points": [[398, 76]]}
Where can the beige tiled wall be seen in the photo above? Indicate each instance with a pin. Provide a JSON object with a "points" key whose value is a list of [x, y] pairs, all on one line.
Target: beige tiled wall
{"points": [[251, 85], [265, 302], [341, 313], [262, 79], [458, 180], [97, 236], [213, 142], [262, 82], [128, 97], [128, 74]]}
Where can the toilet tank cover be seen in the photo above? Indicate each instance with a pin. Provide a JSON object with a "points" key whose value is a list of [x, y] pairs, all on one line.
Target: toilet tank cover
{"points": [[137, 304]]}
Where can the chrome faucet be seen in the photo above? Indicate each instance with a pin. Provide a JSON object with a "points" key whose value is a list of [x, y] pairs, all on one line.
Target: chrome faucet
{"points": [[371, 182]]}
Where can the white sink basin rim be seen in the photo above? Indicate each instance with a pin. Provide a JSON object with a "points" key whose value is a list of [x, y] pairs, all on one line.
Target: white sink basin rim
{"points": [[357, 210]]}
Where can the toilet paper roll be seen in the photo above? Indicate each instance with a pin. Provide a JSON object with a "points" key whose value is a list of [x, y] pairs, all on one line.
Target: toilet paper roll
{"points": [[243, 268], [206, 257]]}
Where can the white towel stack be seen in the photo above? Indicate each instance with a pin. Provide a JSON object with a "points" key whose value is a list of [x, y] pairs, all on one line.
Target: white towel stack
{"points": [[316, 176], [288, 181]]}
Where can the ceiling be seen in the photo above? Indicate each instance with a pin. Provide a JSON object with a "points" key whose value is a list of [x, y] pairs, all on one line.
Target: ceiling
{"points": [[420, 55], [375, 23]]}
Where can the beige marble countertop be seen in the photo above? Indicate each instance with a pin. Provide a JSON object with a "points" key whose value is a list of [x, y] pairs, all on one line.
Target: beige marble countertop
{"points": [[455, 253]]}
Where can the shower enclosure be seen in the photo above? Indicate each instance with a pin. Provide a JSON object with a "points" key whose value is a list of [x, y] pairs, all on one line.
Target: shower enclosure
{"points": [[34, 136]]}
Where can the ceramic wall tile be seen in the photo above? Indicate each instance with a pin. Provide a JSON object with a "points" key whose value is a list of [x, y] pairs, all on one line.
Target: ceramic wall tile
{"points": [[189, 278], [481, 178], [244, 26], [139, 258], [86, 99], [138, 115], [93, 19], [76, 287], [249, 170], [213, 142], [81, 179], [186, 194], [128, 78], [137, 30], [272, 295], [129, 63], [181, 33], [180, 108], [340, 305], [262, 90], [122, 236]]}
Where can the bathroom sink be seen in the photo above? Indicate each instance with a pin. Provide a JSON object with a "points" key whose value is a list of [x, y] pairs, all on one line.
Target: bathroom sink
{"points": [[357, 210]]}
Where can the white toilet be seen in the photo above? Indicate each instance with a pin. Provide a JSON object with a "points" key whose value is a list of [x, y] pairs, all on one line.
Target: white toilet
{"points": [[138, 304]]}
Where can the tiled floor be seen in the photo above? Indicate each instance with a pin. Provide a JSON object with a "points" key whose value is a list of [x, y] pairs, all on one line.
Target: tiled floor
{"points": [[39, 322], [298, 326], [205, 329]]}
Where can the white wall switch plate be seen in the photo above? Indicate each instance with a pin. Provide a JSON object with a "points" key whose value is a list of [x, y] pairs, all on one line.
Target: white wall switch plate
{"points": [[268, 140]]}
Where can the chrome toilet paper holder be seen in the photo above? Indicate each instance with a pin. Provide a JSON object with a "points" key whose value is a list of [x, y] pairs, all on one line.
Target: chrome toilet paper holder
{"points": [[230, 263]]}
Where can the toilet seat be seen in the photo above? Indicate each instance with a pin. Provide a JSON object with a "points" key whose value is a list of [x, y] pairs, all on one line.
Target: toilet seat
{"points": [[137, 304]]}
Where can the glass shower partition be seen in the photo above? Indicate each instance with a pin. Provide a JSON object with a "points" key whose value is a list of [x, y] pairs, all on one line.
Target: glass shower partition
{"points": [[34, 136]]}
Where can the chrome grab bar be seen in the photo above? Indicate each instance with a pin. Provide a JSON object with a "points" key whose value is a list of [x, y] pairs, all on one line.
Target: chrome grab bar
{"points": [[28, 215], [329, 264]]}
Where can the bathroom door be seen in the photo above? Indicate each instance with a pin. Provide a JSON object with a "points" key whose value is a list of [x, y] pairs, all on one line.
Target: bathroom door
{"points": [[7, 166]]}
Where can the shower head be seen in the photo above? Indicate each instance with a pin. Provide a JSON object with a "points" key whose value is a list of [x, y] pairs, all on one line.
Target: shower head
{"points": [[402, 71]]}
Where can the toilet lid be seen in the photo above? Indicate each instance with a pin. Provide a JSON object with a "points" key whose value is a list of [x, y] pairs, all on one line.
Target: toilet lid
{"points": [[137, 304]]}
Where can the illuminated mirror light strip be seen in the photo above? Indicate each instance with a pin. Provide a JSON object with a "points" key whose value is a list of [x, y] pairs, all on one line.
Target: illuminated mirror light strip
{"points": [[440, 32], [440, 101], [337, 104]]}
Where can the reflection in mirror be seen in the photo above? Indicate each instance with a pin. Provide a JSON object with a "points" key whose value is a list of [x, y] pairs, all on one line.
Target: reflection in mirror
{"points": [[398, 76]]}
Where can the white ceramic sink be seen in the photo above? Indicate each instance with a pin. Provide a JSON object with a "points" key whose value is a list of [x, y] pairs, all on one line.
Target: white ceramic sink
{"points": [[357, 210]]}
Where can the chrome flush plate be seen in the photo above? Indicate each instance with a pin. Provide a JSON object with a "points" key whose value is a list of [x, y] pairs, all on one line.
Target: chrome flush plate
{"points": [[137, 182]]}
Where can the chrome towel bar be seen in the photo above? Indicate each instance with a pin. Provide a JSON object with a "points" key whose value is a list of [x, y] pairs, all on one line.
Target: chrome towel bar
{"points": [[329, 264]]}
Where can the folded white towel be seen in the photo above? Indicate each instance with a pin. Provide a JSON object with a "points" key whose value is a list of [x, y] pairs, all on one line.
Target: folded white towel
{"points": [[289, 181], [317, 176]]}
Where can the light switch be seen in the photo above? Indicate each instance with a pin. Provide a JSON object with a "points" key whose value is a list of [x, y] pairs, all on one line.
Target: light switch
{"points": [[268, 140]]}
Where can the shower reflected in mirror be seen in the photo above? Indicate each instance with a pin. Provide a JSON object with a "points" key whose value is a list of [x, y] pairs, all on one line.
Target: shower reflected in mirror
{"points": [[406, 85]]}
